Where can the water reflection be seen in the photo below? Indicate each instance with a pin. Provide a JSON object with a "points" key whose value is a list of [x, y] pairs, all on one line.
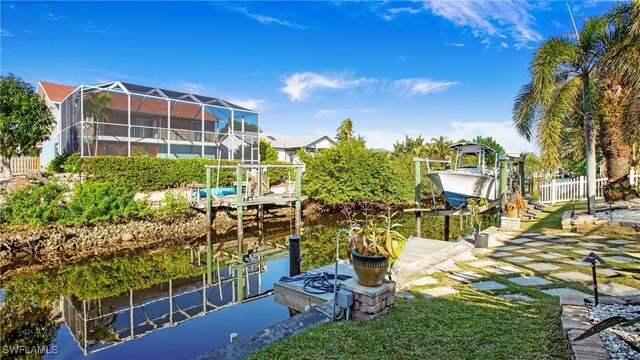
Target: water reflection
{"points": [[98, 324]]}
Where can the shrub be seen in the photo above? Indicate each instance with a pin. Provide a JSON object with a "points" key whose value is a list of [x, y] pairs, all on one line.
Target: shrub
{"points": [[103, 201], [73, 163], [351, 172], [55, 165], [34, 205], [145, 173], [172, 205], [278, 175]]}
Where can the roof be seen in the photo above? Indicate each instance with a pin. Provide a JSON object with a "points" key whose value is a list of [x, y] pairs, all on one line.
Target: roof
{"points": [[56, 92], [150, 105], [170, 94], [471, 148], [293, 142]]}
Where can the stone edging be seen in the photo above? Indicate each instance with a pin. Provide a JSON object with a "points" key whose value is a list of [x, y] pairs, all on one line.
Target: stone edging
{"points": [[575, 320], [571, 220]]}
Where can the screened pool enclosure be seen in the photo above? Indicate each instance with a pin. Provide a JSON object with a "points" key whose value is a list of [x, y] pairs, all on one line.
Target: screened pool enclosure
{"points": [[126, 119]]}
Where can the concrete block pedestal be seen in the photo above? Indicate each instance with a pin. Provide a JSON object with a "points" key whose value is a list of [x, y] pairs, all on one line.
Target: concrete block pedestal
{"points": [[370, 302]]}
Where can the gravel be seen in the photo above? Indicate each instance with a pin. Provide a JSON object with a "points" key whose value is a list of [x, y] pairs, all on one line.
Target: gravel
{"points": [[626, 215], [617, 348]]}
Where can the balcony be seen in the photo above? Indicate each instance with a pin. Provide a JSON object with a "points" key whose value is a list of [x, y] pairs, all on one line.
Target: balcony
{"points": [[149, 134]]}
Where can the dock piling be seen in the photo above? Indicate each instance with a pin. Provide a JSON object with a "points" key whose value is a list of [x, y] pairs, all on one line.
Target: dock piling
{"points": [[294, 256], [209, 228]]}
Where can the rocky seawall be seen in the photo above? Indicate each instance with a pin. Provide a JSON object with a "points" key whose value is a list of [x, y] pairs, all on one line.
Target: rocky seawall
{"points": [[58, 244]]}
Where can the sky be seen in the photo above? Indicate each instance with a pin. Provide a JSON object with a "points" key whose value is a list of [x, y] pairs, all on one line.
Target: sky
{"points": [[430, 68]]}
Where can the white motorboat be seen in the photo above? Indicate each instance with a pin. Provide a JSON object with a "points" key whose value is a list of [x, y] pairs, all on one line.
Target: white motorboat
{"points": [[466, 181]]}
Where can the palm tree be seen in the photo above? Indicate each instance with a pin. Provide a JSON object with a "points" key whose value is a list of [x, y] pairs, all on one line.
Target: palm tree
{"points": [[96, 106], [566, 83], [345, 131], [620, 97]]}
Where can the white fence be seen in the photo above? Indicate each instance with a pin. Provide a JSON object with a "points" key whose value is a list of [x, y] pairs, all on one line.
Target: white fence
{"points": [[561, 190], [24, 164]]}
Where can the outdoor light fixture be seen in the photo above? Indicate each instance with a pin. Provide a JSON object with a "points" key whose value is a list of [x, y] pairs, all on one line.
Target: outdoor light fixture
{"points": [[610, 209], [573, 207], [592, 258]]}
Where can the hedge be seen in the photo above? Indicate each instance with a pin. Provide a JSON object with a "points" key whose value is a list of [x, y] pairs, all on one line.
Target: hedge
{"points": [[146, 173]]}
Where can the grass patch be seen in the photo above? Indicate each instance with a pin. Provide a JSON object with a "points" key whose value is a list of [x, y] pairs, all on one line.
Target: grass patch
{"points": [[468, 325]]}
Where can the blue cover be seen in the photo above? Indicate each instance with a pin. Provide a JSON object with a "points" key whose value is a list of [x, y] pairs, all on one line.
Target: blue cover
{"points": [[218, 192], [457, 201]]}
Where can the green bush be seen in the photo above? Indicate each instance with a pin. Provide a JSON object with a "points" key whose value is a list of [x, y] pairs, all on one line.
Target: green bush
{"points": [[145, 173], [103, 201], [351, 172], [172, 205], [278, 175], [55, 165], [73, 163], [34, 205]]}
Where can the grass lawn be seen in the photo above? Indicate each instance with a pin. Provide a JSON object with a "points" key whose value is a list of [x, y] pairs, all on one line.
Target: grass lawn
{"points": [[472, 324], [467, 325]]}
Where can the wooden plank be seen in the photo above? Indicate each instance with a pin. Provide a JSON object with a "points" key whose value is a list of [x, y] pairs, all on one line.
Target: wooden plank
{"points": [[293, 295]]}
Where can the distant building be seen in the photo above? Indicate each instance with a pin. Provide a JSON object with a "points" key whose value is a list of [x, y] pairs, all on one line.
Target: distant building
{"points": [[288, 145], [148, 120]]}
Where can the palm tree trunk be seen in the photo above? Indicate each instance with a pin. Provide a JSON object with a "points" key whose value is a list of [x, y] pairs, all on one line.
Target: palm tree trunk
{"points": [[590, 144], [613, 145]]}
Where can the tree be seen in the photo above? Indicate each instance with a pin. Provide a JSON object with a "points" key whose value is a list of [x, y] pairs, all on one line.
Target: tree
{"points": [[490, 160], [408, 146], [267, 152], [345, 131], [25, 120], [96, 106], [564, 76], [619, 100]]}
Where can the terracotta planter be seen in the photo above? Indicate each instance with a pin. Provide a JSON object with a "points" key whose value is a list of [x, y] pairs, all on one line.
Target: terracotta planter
{"points": [[370, 270]]}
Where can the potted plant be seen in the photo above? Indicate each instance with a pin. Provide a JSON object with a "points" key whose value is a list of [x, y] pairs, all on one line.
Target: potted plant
{"points": [[514, 206], [374, 248], [474, 205]]}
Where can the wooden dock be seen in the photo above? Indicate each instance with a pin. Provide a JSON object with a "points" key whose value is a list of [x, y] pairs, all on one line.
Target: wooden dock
{"points": [[293, 295], [420, 257]]}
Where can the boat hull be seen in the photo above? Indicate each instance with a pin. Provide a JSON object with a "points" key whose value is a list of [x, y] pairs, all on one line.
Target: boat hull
{"points": [[457, 187]]}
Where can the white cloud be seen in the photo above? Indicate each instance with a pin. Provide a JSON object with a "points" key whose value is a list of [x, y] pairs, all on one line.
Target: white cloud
{"points": [[300, 86], [390, 14], [504, 45], [454, 44], [53, 17], [264, 19], [5, 33], [249, 103], [401, 58], [343, 113], [420, 86], [489, 18]]}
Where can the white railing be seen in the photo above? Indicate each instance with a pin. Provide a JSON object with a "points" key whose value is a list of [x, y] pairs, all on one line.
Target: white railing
{"points": [[23, 164], [561, 190], [634, 177]]}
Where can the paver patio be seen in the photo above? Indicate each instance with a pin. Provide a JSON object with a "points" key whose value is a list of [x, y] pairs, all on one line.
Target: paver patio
{"points": [[509, 248], [439, 291], [573, 276], [488, 285], [541, 266], [465, 277], [552, 255], [528, 251], [518, 259], [567, 292], [505, 270], [529, 281], [500, 254], [615, 289], [538, 243]]}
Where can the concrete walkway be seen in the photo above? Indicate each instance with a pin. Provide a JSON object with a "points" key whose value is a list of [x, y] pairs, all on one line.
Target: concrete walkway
{"points": [[424, 256]]}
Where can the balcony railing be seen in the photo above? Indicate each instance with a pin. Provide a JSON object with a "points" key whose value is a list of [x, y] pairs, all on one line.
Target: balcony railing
{"points": [[122, 131]]}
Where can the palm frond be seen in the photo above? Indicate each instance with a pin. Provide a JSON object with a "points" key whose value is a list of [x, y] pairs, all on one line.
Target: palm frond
{"points": [[552, 58], [525, 111]]}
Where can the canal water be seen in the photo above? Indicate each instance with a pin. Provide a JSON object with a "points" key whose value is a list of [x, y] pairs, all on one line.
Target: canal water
{"points": [[160, 303]]}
